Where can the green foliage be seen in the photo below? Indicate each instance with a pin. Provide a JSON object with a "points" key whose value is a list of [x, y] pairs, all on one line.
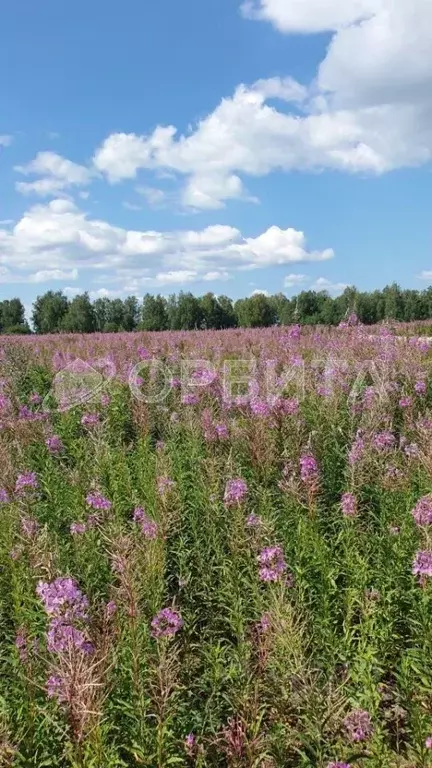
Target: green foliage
{"points": [[262, 673]]}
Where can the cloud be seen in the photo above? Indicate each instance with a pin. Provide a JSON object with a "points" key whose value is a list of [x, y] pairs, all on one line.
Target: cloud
{"points": [[426, 274], [61, 235], [359, 114], [259, 292], [308, 16], [5, 141], [56, 172], [156, 198], [293, 279], [323, 284], [47, 275], [277, 246]]}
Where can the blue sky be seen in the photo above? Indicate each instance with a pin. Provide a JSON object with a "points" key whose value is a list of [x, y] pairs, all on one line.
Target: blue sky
{"points": [[210, 145]]}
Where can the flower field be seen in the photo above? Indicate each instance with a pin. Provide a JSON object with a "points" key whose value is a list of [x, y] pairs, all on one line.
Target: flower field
{"points": [[215, 549]]}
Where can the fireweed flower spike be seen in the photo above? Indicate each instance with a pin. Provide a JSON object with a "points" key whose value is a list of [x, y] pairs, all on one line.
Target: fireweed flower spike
{"points": [[26, 482], [97, 501], [148, 526], [422, 512], [54, 444], [62, 598], [349, 505], [338, 764], [272, 564], [358, 725], [4, 497], [422, 565], [308, 469], [384, 440], [253, 521], [165, 485], [90, 419], [190, 744], [77, 529], [236, 491], [166, 623]]}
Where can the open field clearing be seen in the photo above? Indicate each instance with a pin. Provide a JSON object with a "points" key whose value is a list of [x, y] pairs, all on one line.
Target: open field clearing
{"points": [[215, 549]]}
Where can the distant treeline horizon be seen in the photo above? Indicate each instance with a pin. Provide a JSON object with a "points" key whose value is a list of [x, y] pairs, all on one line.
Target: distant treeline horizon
{"points": [[54, 312]]}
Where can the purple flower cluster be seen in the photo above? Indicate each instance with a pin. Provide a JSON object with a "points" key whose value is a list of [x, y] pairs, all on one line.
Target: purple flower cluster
{"points": [[338, 764], [77, 529], [308, 468], [405, 402], [358, 725], [222, 431], [25, 482], [62, 598], [97, 501], [236, 491], [90, 419], [253, 521], [287, 406], [420, 387], [264, 623], [422, 565], [62, 636], [56, 688], [272, 564], [110, 609], [349, 505], [411, 450], [26, 414], [66, 605], [384, 440], [165, 485], [212, 431], [190, 398], [190, 744], [4, 496], [166, 623], [260, 408], [422, 512], [54, 444], [148, 526], [205, 377]]}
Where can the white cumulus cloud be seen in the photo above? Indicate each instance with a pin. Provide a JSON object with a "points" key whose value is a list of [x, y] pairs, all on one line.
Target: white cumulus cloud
{"points": [[292, 280], [56, 174], [367, 110], [61, 235]]}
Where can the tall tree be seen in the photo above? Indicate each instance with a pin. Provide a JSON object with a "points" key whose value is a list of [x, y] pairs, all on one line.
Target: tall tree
{"points": [[49, 311], [12, 315], [228, 316], [154, 315], [211, 311], [131, 312], [189, 312], [80, 317]]}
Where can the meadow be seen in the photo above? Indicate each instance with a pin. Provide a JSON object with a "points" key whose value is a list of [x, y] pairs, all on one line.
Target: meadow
{"points": [[215, 549]]}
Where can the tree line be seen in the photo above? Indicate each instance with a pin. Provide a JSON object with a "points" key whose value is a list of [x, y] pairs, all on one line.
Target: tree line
{"points": [[54, 312]]}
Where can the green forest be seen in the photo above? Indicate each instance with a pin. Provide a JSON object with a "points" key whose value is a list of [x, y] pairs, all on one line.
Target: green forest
{"points": [[54, 312]]}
